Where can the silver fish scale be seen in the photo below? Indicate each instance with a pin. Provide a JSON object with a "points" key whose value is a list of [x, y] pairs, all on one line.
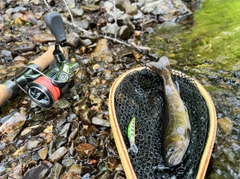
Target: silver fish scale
{"points": [[140, 95]]}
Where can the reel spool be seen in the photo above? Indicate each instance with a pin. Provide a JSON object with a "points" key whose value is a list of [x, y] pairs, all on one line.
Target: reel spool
{"points": [[43, 92]]}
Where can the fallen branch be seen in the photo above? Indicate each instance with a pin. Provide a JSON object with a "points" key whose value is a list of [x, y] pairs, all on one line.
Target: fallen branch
{"points": [[132, 45]]}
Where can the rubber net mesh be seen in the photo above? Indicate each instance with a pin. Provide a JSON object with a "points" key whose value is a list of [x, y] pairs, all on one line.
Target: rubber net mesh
{"points": [[140, 95]]}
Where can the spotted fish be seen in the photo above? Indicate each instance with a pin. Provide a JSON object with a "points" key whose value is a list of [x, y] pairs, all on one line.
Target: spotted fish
{"points": [[131, 133], [176, 124]]}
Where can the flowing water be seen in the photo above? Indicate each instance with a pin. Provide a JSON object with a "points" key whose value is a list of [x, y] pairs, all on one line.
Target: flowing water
{"points": [[208, 48]]}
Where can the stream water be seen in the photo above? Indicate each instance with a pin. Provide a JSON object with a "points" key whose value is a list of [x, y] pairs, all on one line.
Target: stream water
{"points": [[208, 48]]}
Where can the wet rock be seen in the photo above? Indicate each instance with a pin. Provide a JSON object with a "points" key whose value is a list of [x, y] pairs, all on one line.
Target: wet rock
{"points": [[20, 58], [12, 126], [126, 6], [90, 7], [96, 102], [225, 124], [85, 149], [16, 172], [43, 38], [67, 162], [43, 153], [102, 51], [18, 8], [23, 47], [71, 3], [33, 130], [73, 134], [124, 32], [61, 104], [77, 12], [101, 122], [58, 154], [75, 168], [60, 141], [65, 130], [112, 163], [111, 29], [84, 24], [57, 171], [48, 129], [7, 55], [149, 23], [70, 175], [31, 144], [41, 171], [229, 154], [73, 39], [84, 115]]}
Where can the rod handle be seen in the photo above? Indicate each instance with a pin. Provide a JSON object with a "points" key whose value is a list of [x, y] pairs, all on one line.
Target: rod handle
{"points": [[45, 59], [5, 94]]}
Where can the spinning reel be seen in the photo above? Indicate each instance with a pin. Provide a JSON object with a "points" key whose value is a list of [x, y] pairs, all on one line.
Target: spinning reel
{"points": [[44, 88], [58, 79]]}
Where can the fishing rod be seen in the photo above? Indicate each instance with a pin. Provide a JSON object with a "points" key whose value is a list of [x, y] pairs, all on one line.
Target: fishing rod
{"points": [[48, 77]]}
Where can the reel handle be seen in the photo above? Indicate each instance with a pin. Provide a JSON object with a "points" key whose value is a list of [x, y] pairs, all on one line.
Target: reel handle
{"points": [[55, 23]]}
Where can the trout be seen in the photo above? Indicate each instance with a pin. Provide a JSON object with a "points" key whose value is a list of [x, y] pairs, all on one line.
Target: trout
{"points": [[176, 124]]}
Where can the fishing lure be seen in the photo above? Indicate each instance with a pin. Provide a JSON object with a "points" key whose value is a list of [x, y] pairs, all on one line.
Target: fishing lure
{"points": [[131, 133]]}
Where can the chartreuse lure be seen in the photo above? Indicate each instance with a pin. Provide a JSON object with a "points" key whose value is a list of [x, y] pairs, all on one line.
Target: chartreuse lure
{"points": [[131, 133]]}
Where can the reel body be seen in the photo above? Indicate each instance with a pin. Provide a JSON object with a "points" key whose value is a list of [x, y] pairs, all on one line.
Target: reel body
{"points": [[55, 82]]}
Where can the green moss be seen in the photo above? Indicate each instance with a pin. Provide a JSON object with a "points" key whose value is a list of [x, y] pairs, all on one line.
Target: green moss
{"points": [[212, 44]]}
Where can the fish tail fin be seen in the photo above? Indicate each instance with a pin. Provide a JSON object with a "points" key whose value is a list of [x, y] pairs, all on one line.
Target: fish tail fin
{"points": [[161, 66]]}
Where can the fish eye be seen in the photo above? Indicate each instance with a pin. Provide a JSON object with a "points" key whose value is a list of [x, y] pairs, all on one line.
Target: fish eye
{"points": [[170, 149]]}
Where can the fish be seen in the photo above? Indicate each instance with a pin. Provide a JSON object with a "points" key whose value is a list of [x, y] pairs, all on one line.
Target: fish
{"points": [[176, 124], [131, 134]]}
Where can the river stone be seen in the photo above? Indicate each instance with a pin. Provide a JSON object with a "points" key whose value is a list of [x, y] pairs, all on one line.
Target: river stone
{"points": [[20, 47], [73, 39], [77, 12], [70, 175], [33, 144], [62, 104], [125, 32], [101, 122], [39, 172], [64, 131], [15, 122], [71, 3], [7, 55], [43, 38], [102, 51], [58, 154], [57, 170], [225, 124], [110, 29], [124, 20], [85, 149], [126, 6], [20, 58], [91, 7], [75, 168], [43, 153], [112, 163], [16, 172]]}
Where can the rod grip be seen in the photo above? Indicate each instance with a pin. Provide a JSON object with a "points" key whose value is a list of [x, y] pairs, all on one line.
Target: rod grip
{"points": [[5, 94], [45, 59]]}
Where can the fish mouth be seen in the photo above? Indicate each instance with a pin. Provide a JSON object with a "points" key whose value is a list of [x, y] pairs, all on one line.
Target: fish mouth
{"points": [[175, 158]]}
